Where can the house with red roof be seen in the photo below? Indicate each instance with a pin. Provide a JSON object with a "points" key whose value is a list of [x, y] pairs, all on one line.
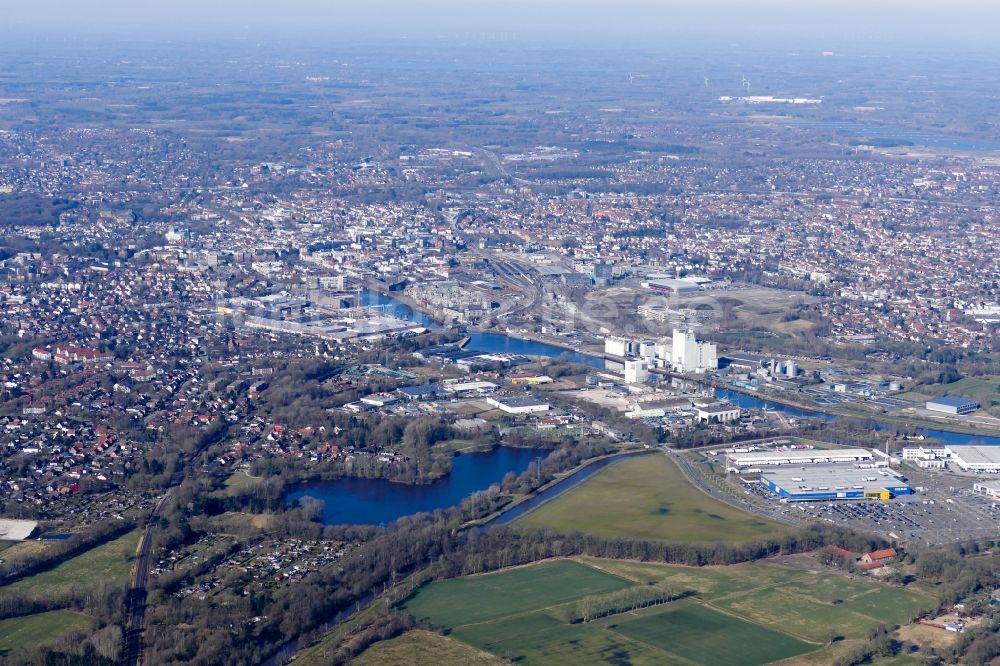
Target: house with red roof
{"points": [[878, 558]]}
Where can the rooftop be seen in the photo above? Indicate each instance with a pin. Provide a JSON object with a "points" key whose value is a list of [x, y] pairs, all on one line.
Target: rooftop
{"points": [[952, 401], [521, 401], [830, 477], [977, 455], [802, 454]]}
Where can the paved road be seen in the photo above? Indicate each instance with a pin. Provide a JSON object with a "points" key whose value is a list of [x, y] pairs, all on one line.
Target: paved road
{"points": [[490, 160], [135, 599], [715, 493]]}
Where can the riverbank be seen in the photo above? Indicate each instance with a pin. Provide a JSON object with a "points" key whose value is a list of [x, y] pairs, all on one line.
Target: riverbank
{"points": [[561, 483], [426, 313], [401, 298], [534, 345], [596, 352], [884, 419]]}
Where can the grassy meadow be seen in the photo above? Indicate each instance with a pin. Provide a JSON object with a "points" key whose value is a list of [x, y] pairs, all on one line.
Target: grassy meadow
{"points": [[649, 498]]}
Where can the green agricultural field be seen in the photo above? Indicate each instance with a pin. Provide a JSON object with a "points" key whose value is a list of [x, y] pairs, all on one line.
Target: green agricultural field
{"points": [[806, 604], [796, 614], [812, 606], [542, 638], [741, 614], [892, 605], [520, 613], [39, 629], [708, 637], [647, 497], [708, 583], [479, 598], [110, 562]]}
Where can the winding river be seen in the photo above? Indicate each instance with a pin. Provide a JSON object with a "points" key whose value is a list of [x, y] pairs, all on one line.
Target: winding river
{"points": [[374, 501]]}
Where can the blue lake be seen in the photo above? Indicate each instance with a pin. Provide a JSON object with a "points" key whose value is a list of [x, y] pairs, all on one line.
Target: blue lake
{"points": [[375, 501]]}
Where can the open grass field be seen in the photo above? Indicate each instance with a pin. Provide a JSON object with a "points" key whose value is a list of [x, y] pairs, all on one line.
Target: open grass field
{"points": [[475, 599], [804, 603], [741, 614], [706, 636], [30, 548], [541, 638], [985, 390], [928, 637], [39, 629], [647, 497], [424, 648], [239, 481], [989, 384], [109, 562]]}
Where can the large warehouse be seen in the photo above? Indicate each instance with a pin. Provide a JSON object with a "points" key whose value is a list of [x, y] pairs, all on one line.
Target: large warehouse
{"points": [[976, 458], [952, 404], [796, 457], [525, 404], [833, 482]]}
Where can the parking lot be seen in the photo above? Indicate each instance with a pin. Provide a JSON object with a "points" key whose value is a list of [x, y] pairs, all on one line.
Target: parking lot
{"points": [[944, 509]]}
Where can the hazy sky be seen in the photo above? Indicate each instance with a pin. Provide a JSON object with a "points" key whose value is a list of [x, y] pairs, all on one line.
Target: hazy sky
{"points": [[616, 21]]}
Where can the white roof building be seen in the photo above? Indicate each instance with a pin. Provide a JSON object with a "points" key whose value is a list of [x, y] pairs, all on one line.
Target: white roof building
{"points": [[519, 404], [798, 457], [976, 458], [463, 387]]}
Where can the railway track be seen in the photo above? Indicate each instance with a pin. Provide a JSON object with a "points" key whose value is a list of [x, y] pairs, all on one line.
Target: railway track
{"points": [[135, 598]]}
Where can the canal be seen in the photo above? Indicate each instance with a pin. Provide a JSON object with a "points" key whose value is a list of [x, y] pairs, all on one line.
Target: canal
{"points": [[375, 501]]}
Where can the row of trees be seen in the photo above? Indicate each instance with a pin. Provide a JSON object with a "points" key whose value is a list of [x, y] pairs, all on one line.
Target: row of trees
{"points": [[430, 541], [596, 606], [99, 646], [963, 570], [100, 599], [879, 643]]}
